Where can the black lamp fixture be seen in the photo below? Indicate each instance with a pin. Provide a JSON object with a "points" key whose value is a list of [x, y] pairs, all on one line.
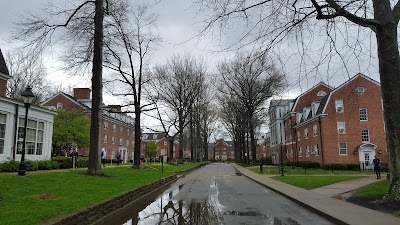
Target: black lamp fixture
{"points": [[28, 97]]}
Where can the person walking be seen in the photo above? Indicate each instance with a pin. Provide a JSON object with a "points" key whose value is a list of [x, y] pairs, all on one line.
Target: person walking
{"points": [[377, 167], [118, 158], [103, 157]]}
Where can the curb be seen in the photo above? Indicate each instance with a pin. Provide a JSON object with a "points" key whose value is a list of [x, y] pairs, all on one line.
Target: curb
{"points": [[100, 210]]}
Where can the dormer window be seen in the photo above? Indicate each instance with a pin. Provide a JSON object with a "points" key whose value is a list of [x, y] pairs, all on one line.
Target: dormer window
{"points": [[155, 136]]}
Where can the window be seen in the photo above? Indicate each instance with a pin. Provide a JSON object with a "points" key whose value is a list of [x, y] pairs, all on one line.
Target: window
{"points": [[105, 138], [300, 152], [114, 127], [360, 89], [363, 114], [321, 93], [59, 105], [341, 127], [339, 106], [291, 152], [128, 131], [105, 125], [298, 135], [365, 135], [315, 130], [155, 136], [305, 133], [290, 137], [3, 118], [127, 143], [121, 141], [165, 143], [307, 151], [113, 140], [34, 137], [342, 148], [121, 128], [316, 150]]}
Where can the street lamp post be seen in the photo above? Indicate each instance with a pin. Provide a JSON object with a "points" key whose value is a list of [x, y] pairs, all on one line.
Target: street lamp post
{"points": [[28, 97], [282, 173]]}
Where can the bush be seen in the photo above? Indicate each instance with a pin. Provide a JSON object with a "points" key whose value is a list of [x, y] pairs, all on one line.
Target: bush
{"points": [[82, 162], [268, 160], [354, 167], [48, 165], [31, 165], [302, 164], [10, 166], [64, 162]]}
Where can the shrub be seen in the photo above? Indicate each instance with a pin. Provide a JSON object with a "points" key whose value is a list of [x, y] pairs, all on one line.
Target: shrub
{"points": [[82, 162], [31, 165], [354, 167], [268, 160], [48, 165], [303, 164], [10, 166], [64, 162]]}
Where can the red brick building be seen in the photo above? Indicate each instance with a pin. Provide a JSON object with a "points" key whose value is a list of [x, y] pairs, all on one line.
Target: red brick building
{"points": [[344, 125], [117, 128], [263, 148], [163, 144], [222, 150]]}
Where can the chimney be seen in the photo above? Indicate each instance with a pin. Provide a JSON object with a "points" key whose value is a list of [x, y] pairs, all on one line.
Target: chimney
{"points": [[4, 75], [82, 93]]}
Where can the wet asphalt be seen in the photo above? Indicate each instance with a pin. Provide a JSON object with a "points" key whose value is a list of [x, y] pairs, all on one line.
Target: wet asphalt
{"points": [[215, 194]]}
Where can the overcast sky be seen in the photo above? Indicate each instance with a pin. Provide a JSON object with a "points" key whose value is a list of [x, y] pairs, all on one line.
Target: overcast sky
{"points": [[179, 20]]}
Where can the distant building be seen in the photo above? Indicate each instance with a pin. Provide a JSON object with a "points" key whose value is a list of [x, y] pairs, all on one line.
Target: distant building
{"points": [[117, 129], [163, 143], [342, 125], [223, 150], [12, 117]]}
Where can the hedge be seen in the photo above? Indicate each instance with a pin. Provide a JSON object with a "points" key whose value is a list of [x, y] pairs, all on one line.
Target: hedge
{"points": [[354, 167], [303, 164]]}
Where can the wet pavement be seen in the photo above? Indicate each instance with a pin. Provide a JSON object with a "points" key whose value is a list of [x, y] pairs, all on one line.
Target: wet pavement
{"points": [[215, 194]]}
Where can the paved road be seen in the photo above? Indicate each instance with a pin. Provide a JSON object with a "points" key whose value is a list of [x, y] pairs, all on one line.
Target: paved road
{"points": [[215, 194]]}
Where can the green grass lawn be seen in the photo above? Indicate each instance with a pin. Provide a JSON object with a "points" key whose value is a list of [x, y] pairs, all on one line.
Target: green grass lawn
{"points": [[378, 189], [311, 182], [42, 196], [274, 170]]}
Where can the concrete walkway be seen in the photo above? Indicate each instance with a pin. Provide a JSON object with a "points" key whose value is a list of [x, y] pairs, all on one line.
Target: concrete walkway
{"points": [[345, 186], [321, 201]]}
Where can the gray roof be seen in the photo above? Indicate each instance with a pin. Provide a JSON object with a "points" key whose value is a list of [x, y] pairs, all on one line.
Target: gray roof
{"points": [[3, 65], [152, 136], [281, 102]]}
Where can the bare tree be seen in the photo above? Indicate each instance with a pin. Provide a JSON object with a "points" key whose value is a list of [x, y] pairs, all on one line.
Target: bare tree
{"points": [[38, 33], [177, 84], [251, 80], [274, 21], [128, 44]]}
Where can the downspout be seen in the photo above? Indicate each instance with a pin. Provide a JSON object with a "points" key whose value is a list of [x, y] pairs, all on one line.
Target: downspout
{"points": [[15, 131], [320, 132]]}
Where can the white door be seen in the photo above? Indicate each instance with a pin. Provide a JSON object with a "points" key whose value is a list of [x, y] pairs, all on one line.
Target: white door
{"points": [[366, 156]]}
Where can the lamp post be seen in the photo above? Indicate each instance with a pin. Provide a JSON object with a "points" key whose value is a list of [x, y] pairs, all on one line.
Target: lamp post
{"points": [[28, 97], [282, 174]]}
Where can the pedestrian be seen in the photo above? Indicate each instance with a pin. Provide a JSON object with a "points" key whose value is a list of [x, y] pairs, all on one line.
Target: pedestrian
{"points": [[118, 158], [103, 157], [142, 158], [377, 167]]}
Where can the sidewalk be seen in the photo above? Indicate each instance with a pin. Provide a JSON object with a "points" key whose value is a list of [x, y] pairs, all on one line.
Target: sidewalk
{"points": [[320, 200]]}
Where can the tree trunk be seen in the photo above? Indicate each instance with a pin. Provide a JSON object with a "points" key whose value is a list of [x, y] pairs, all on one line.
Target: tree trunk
{"points": [[181, 126], [138, 140], [389, 67], [252, 144], [97, 90]]}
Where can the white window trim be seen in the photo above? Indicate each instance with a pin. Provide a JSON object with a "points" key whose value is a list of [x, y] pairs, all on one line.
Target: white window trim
{"points": [[339, 148]]}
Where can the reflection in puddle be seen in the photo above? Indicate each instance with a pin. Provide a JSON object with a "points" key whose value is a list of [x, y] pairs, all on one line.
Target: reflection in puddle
{"points": [[169, 209]]}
